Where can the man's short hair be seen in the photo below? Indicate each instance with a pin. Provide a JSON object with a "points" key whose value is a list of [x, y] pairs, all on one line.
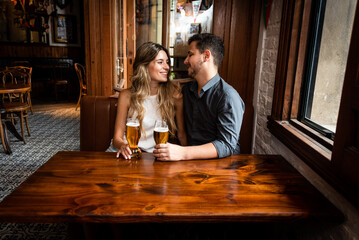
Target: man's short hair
{"points": [[209, 41]]}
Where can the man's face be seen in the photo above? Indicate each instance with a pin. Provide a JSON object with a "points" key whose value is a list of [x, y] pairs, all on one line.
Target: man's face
{"points": [[194, 60]]}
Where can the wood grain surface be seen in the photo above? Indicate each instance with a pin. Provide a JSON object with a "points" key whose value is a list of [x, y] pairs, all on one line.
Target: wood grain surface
{"points": [[97, 187], [14, 88]]}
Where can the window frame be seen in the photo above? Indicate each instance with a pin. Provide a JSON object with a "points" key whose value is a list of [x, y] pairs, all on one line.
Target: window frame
{"points": [[315, 35], [313, 148]]}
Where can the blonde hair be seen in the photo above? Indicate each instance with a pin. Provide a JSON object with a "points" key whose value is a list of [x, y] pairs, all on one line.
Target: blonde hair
{"points": [[140, 88]]}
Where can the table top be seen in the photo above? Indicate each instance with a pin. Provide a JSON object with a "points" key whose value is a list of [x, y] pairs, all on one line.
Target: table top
{"points": [[14, 88], [97, 187]]}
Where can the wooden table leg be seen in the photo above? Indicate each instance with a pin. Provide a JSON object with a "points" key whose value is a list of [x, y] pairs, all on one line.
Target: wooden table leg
{"points": [[4, 137], [6, 140], [12, 129]]}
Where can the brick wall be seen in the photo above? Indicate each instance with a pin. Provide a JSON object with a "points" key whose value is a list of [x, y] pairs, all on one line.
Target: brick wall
{"points": [[265, 143], [265, 75]]}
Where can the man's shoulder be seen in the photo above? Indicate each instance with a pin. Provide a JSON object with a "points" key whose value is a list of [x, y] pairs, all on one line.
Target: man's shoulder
{"points": [[226, 88], [227, 94]]}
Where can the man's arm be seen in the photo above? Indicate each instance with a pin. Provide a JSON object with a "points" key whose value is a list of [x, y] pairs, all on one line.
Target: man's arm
{"points": [[173, 152], [229, 122]]}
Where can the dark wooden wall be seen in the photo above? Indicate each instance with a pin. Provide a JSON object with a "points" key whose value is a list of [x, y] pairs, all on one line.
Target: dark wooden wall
{"points": [[237, 22], [33, 51], [42, 59], [100, 34]]}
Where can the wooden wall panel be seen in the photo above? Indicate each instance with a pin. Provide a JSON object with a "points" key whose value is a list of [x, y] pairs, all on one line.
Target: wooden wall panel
{"points": [[33, 51], [108, 61], [237, 22], [92, 46], [130, 39], [221, 28], [99, 43]]}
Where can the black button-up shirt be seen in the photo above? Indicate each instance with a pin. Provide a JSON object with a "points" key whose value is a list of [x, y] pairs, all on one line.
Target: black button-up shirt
{"points": [[215, 116]]}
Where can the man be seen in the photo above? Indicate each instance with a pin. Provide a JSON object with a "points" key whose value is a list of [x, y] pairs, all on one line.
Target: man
{"points": [[213, 110]]}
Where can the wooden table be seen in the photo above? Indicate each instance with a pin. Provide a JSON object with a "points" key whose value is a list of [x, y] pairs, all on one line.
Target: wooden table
{"points": [[95, 187], [14, 88]]}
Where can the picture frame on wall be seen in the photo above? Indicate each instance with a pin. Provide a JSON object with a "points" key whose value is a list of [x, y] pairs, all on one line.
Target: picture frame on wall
{"points": [[194, 29], [64, 29]]}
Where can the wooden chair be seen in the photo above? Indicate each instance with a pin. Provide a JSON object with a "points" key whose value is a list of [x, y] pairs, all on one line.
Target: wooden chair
{"points": [[15, 104], [17, 72], [81, 75], [61, 79], [8, 76], [3, 134]]}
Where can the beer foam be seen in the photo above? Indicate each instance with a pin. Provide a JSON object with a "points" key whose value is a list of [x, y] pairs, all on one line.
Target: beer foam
{"points": [[161, 129], [133, 124]]}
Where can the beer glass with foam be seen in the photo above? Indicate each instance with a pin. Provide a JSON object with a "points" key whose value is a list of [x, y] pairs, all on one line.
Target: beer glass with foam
{"points": [[160, 133], [133, 135]]}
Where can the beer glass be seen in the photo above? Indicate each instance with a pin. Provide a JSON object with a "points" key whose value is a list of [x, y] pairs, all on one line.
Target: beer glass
{"points": [[160, 133], [133, 135]]}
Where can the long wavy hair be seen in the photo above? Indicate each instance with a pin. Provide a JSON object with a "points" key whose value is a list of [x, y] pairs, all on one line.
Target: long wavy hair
{"points": [[140, 88]]}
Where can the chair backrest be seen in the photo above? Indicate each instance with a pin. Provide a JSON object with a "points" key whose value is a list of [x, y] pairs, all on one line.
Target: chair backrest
{"points": [[21, 74], [81, 74], [61, 71], [17, 76], [97, 122], [6, 77]]}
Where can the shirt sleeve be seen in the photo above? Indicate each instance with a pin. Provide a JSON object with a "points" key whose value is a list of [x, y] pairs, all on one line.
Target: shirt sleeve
{"points": [[229, 122]]}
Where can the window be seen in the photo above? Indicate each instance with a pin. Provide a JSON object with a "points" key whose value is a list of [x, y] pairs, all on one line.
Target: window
{"points": [[148, 21], [136, 22], [186, 19], [328, 51], [318, 52]]}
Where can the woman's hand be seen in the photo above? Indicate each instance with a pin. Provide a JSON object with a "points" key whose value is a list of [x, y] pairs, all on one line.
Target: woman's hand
{"points": [[125, 151]]}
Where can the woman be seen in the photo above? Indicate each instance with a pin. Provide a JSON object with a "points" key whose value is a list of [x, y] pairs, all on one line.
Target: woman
{"points": [[151, 97]]}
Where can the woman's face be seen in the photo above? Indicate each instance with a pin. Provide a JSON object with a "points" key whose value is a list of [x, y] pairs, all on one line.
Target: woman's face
{"points": [[159, 67]]}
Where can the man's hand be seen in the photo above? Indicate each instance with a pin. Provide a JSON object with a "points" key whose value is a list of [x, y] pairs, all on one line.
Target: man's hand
{"points": [[169, 152]]}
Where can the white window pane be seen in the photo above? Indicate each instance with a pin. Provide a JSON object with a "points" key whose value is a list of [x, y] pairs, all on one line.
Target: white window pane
{"points": [[336, 34]]}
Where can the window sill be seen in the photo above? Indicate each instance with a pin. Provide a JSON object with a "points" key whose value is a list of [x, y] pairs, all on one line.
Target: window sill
{"points": [[295, 137], [314, 154]]}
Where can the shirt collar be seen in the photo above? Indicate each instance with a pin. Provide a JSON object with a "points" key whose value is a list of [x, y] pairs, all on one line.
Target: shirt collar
{"points": [[211, 82], [207, 86]]}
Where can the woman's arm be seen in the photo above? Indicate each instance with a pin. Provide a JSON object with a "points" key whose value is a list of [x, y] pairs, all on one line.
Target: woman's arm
{"points": [[181, 131], [123, 105]]}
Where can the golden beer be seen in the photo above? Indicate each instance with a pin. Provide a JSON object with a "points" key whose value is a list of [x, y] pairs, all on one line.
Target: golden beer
{"points": [[133, 135], [160, 135]]}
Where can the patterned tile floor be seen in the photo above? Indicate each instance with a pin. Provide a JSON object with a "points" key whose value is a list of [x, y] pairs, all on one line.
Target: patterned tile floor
{"points": [[51, 131]]}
